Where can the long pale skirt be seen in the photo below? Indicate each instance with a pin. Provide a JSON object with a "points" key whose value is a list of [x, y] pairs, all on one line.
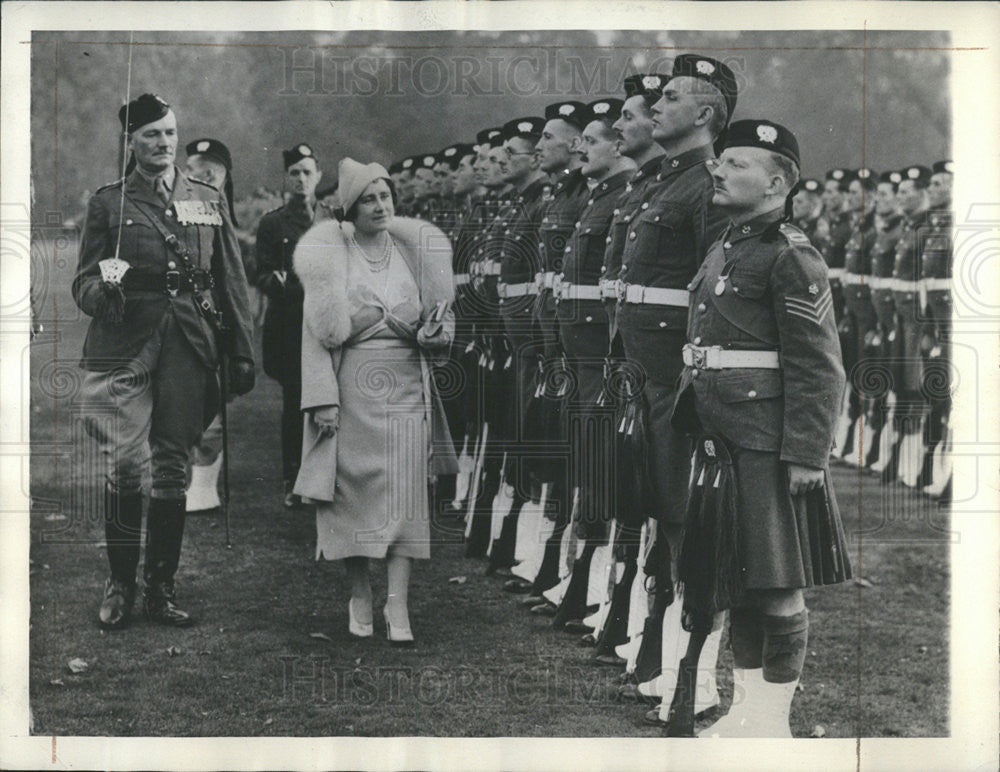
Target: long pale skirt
{"points": [[380, 505]]}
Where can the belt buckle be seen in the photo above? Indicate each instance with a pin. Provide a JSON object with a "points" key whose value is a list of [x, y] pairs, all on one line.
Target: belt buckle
{"points": [[698, 357], [539, 282], [501, 289], [173, 282], [620, 290], [558, 285]]}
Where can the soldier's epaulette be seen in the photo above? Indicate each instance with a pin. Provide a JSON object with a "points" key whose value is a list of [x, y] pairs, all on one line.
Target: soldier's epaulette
{"points": [[793, 235], [272, 211], [110, 185]]}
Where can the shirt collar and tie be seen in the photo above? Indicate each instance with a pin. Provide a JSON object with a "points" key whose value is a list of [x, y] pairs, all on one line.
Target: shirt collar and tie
{"points": [[161, 184]]}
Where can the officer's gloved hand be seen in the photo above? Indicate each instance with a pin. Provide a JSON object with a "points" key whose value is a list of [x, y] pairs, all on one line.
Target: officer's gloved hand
{"points": [[241, 376]]}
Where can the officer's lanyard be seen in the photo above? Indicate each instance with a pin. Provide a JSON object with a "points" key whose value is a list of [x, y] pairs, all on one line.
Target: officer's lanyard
{"points": [[128, 101]]}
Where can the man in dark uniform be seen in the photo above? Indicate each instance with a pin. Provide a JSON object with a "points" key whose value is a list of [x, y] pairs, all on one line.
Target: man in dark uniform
{"points": [[426, 201], [583, 332], [761, 386], [884, 354], [157, 258], [834, 232], [405, 191], [911, 404], [858, 324], [634, 128], [807, 206], [209, 160], [664, 245], [935, 282], [444, 170], [277, 234]]}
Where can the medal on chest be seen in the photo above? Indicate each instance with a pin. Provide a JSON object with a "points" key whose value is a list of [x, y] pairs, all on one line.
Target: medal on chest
{"points": [[197, 212], [720, 285]]}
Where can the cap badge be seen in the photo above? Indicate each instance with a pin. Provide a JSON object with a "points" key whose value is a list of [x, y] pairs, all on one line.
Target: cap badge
{"points": [[407, 163], [896, 177], [864, 174], [767, 134], [566, 109], [304, 150], [710, 448], [651, 82], [913, 172], [450, 152], [428, 160], [601, 108], [705, 68], [838, 174], [813, 289], [948, 166], [203, 146], [525, 126]]}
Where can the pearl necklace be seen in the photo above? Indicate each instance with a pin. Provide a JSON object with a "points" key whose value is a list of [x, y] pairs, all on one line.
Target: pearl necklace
{"points": [[380, 263]]}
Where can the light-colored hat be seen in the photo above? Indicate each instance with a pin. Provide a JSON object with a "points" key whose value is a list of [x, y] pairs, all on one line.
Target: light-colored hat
{"points": [[354, 177]]}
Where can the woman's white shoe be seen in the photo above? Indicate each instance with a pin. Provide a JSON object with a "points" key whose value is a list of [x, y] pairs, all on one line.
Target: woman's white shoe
{"points": [[356, 628], [398, 636]]}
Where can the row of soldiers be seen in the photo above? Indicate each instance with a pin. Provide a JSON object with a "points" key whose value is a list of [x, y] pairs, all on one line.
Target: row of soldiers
{"points": [[575, 236]]}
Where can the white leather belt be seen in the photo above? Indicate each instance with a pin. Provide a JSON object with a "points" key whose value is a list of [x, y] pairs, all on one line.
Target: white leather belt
{"points": [[656, 296], [905, 285], [718, 358], [856, 278], [567, 291], [461, 278], [880, 282], [544, 279], [485, 268], [609, 288], [835, 273], [936, 284], [516, 290]]}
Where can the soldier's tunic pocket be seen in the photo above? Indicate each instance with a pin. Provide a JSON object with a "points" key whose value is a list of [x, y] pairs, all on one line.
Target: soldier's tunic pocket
{"points": [[746, 406]]}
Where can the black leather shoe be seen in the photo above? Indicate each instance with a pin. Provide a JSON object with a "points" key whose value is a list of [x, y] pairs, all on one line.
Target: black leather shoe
{"points": [[652, 718], [532, 600], [588, 640], [612, 660], [517, 586], [160, 607], [578, 627], [631, 693], [545, 609], [116, 608]]}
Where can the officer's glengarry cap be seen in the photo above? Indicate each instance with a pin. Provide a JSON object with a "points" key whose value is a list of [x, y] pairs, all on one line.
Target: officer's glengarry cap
{"points": [[210, 148], [525, 128], [609, 110], [763, 134], [453, 154], [145, 108], [919, 174], [649, 85], [570, 112], [710, 70], [492, 137], [296, 154]]}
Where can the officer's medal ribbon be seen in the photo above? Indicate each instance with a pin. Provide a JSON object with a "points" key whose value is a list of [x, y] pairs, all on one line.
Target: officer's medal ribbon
{"points": [[112, 304], [720, 285], [197, 212]]}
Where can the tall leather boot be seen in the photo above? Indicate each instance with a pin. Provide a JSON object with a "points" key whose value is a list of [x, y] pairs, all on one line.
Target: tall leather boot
{"points": [[574, 602], [164, 534], [122, 529]]}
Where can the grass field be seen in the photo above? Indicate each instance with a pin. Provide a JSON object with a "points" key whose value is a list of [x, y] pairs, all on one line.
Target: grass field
{"points": [[254, 665]]}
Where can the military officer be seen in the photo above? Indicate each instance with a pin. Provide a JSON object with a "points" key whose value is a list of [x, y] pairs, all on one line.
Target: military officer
{"points": [[935, 282], [426, 202], [807, 206], [634, 128], [858, 324], [158, 258], [583, 332], [885, 355], [911, 404], [664, 245], [405, 187], [761, 386], [209, 160], [277, 234]]}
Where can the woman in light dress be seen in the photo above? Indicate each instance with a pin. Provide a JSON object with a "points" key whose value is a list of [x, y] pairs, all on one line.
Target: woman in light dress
{"points": [[377, 314]]}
